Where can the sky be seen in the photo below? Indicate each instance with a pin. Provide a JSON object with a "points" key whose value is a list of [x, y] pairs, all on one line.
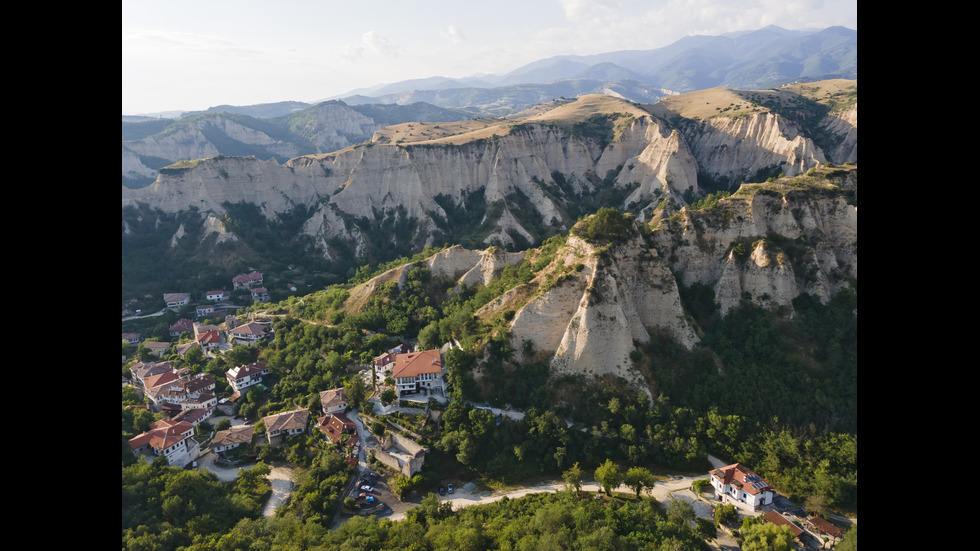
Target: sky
{"points": [[183, 55]]}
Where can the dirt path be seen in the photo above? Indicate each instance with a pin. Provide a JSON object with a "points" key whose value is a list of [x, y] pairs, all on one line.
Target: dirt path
{"points": [[282, 484]]}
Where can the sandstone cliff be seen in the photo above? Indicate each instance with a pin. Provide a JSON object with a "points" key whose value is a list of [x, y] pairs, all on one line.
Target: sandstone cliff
{"points": [[769, 242], [529, 172]]}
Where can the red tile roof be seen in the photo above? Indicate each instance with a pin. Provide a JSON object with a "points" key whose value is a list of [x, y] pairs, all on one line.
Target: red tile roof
{"points": [[336, 425], [779, 520], [160, 379], [286, 420], [250, 328], [162, 435], [413, 364], [246, 370], [825, 526], [744, 478]]}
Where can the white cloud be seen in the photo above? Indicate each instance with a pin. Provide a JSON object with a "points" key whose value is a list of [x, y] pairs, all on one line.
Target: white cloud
{"points": [[587, 9], [453, 35], [380, 44]]}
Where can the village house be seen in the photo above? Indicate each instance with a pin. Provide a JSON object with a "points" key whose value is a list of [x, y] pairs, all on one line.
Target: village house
{"points": [[204, 310], [230, 439], [180, 326], [418, 371], [738, 484], [209, 340], [194, 416], [132, 338], [384, 363], [247, 281], [142, 370], [171, 439], [155, 388], [244, 376], [249, 333], [175, 300], [188, 393], [156, 348], [216, 295], [335, 425], [285, 424], [333, 400], [260, 294]]}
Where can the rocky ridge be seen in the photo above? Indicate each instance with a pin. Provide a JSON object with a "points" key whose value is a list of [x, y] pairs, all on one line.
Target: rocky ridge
{"points": [[645, 158], [590, 307]]}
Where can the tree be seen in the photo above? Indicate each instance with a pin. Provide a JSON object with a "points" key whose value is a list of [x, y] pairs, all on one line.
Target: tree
{"points": [[850, 540], [388, 396], [573, 477], [725, 514], [609, 476], [639, 479], [680, 513], [356, 391], [765, 536], [195, 357]]}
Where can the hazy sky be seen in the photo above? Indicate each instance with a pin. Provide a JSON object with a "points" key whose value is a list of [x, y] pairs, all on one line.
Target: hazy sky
{"points": [[191, 55]]}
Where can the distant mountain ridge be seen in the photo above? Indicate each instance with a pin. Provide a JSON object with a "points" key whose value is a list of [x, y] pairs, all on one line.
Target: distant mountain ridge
{"points": [[151, 144], [760, 59]]}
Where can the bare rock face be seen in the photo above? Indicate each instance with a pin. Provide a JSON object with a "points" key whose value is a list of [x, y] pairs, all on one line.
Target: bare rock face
{"points": [[845, 125], [738, 148], [594, 305], [791, 241], [465, 266]]}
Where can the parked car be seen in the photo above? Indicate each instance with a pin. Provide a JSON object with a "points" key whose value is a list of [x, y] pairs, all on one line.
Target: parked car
{"points": [[361, 495], [449, 488], [367, 488], [442, 491]]}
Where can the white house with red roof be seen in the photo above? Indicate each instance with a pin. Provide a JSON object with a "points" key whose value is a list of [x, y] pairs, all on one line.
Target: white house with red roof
{"points": [[287, 423], [230, 439], [244, 376], [249, 333], [176, 300], [171, 439], [738, 483], [333, 400], [217, 295], [417, 371]]}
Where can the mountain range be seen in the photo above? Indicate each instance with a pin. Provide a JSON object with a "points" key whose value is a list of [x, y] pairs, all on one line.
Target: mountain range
{"points": [[759, 59], [765, 58]]}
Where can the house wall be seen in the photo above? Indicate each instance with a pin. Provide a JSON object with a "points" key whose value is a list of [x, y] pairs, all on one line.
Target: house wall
{"points": [[391, 461]]}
